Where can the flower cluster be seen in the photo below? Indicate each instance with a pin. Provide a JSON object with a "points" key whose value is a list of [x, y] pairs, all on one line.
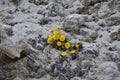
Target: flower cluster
{"points": [[59, 40]]}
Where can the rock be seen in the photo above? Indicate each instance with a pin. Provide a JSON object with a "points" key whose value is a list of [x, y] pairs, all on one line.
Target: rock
{"points": [[115, 36], [86, 64], [119, 31], [3, 34], [39, 46], [88, 35], [32, 42], [44, 20], [55, 10], [92, 25], [104, 10], [102, 22], [116, 46], [113, 19], [90, 2], [62, 77], [9, 31], [74, 22], [7, 46], [39, 2], [17, 78], [91, 21], [108, 68], [76, 78], [10, 50]]}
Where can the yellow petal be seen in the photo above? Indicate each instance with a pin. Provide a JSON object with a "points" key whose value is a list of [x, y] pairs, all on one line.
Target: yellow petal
{"points": [[64, 54], [49, 40], [72, 51], [50, 30], [67, 45], [55, 37], [62, 37], [55, 32], [58, 27], [50, 36], [59, 43], [77, 45]]}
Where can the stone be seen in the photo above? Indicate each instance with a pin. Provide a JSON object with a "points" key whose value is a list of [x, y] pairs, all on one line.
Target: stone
{"points": [[113, 19], [108, 67], [88, 34], [7, 46], [39, 2], [9, 31], [10, 50], [32, 42], [44, 20], [74, 22], [39, 46], [114, 36], [76, 78]]}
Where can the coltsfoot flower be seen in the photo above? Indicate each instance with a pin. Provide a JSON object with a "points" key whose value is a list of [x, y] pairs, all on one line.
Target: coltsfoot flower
{"points": [[50, 36], [59, 43], [55, 37], [56, 32], [58, 27], [72, 51], [62, 37], [64, 54], [49, 40], [67, 45], [77, 45], [50, 30]]}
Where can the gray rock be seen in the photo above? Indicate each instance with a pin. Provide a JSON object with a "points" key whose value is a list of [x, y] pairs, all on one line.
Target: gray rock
{"points": [[88, 34], [7, 46], [113, 19], [9, 31], [115, 36], [39, 46], [44, 20], [74, 22], [90, 2], [108, 68], [76, 78], [39, 2]]}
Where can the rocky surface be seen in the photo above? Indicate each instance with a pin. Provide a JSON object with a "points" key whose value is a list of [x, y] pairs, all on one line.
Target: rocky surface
{"points": [[95, 22]]}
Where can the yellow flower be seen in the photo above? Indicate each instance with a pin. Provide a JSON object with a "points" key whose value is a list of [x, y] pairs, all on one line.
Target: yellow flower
{"points": [[62, 37], [50, 30], [50, 36], [67, 45], [64, 54], [72, 51], [77, 45], [58, 27], [59, 43], [49, 40], [55, 32], [55, 37]]}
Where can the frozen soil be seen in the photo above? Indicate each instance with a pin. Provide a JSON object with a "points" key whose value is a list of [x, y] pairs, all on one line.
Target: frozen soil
{"points": [[95, 22]]}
